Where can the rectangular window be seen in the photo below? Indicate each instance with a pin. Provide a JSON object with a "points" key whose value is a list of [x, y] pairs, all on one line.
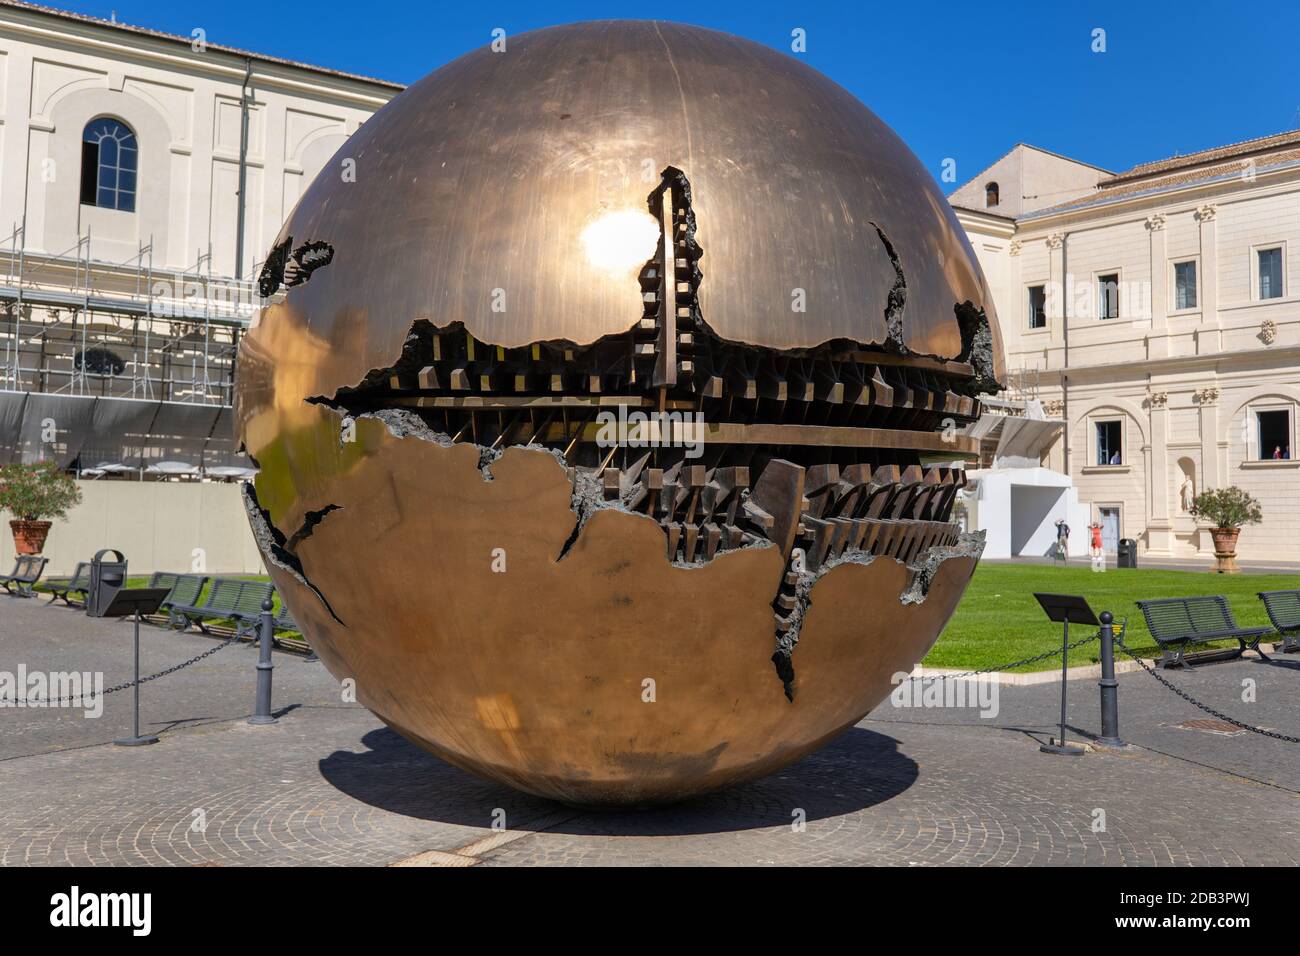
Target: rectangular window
{"points": [[1108, 296], [1185, 285], [1037, 307], [1270, 273], [1274, 434], [1110, 450]]}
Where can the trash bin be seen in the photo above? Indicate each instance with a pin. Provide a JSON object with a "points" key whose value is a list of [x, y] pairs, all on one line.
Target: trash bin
{"points": [[106, 579], [1128, 554]]}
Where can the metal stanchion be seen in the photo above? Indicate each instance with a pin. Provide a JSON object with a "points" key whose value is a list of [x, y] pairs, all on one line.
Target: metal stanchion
{"points": [[1065, 609], [266, 636], [1109, 685], [136, 739], [115, 601]]}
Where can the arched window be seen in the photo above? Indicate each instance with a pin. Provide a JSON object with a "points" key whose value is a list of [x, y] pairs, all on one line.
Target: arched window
{"points": [[108, 165], [990, 194]]}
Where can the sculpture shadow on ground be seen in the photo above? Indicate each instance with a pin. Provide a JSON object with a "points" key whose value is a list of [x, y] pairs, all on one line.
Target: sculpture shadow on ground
{"points": [[857, 770]]}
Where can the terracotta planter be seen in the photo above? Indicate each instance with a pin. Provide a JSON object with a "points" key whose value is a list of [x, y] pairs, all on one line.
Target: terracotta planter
{"points": [[29, 536], [1225, 550]]}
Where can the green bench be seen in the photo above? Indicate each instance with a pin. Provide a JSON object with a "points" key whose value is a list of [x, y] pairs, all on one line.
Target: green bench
{"points": [[184, 589], [229, 599], [64, 588], [1178, 623], [1284, 611], [27, 571], [284, 620]]}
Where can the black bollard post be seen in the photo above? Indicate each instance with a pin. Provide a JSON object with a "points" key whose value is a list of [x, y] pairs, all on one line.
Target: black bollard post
{"points": [[1108, 684], [266, 637]]}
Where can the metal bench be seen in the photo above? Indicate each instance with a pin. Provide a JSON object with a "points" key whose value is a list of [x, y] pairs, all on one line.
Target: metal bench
{"points": [[227, 599], [1177, 623], [184, 590], [1284, 611], [163, 579], [27, 571], [64, 588], [284, 620]]}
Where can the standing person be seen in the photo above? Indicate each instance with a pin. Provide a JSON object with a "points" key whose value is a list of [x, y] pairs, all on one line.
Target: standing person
{"points": [[1094, 547], [1062, 539]]}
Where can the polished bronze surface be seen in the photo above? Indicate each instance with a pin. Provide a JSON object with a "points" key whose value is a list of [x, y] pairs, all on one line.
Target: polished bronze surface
{"points": [[618, 217], [527, 171]]}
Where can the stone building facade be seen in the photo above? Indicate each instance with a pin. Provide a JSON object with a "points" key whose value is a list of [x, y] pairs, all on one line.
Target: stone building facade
{"points": [[143, 177], [1157, 311], [185, 99]]}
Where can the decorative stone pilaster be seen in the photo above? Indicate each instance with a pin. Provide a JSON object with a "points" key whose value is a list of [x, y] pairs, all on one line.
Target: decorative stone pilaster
{"points": [[1209, 302], [1213, 464], [1159, 525], [1059, 291], [1158, 341]]}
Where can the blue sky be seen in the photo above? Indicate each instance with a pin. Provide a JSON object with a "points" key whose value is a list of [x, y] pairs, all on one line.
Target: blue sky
{"points": [[959, 80]]}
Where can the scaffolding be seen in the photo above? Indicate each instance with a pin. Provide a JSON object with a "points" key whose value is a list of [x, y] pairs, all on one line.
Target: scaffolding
{"points": [[80, 334]]}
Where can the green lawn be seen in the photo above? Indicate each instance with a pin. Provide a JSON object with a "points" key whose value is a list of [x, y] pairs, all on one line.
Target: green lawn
{"points": [[998, 619]]}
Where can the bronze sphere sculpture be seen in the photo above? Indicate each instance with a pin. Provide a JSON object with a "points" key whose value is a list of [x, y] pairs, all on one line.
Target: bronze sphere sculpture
{"points": [[607, 399]]}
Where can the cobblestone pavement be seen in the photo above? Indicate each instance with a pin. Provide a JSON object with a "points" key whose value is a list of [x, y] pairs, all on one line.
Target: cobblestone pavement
{"points": [[330, 785]]}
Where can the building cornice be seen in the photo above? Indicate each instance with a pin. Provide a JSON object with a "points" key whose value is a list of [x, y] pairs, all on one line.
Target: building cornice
{"points": [[1187, 363], [173, 54], [986, 224], [1161, 196]]}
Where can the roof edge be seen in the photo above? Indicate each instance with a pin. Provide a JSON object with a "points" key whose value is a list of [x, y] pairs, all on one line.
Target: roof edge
{"points": [[112, 25]]}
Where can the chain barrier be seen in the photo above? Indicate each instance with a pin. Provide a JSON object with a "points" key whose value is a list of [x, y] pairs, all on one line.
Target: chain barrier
{"points": [[52, 701], [1020, 663], [1205, 707]]}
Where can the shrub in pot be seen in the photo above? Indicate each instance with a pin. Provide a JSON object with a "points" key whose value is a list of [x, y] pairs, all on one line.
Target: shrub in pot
{"points": [[34, 495], [1228, 510]]}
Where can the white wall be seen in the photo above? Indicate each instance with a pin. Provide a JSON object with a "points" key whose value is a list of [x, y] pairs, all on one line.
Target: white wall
{"points": [[158, 525], [1018, 509]]}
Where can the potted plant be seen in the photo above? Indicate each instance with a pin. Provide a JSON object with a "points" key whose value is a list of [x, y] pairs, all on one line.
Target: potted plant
{"points": [[1227, 510], [33, 495]]}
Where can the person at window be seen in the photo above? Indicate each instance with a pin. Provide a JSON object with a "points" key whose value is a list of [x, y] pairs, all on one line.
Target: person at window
{"points": [[1277, 452], [1114, 459]]}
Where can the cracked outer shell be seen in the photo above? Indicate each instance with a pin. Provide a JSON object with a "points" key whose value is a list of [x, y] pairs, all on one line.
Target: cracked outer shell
{"points": [[484, 176], [534, 676], [475, 186]]}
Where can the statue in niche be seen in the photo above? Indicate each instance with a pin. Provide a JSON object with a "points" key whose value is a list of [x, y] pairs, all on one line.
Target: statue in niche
{"points": [[1187, 494]]}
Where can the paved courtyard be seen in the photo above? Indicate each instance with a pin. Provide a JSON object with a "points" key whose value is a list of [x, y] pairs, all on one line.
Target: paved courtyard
{"points": [[330, 784]]}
